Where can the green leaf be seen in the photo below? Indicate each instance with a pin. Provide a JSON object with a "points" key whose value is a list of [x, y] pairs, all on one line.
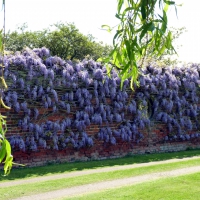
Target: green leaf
{"points": [[134, 76], [99, 59], [147, 27], [9, 158], [169, 40], [126, 67], [2, 126], [161, 17], [3, 151], [162, 50], [128, 48], [164, 23], [117, 34], [157, 39], [127, 10], [117, 59], [8, 165], [117, 16], [169, 2], [8, 147], [120, 3], [132, 29], [105, 60], [123, 77], [107, 28], [157, 20], [139, 29], [1, 138], [172, 47], [109, 69], [166, 7], [143, 12], [135, 43]]}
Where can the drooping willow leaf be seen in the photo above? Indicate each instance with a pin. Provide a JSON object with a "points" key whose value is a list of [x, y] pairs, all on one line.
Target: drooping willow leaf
{"points": [[5, 156], [141, 31]]}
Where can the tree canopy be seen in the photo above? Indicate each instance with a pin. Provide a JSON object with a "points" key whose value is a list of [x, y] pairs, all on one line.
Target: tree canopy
{"points": [[65, 41]]}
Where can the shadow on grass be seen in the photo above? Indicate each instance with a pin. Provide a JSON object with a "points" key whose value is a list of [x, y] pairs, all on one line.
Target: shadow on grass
{"points": [[28, 172]]}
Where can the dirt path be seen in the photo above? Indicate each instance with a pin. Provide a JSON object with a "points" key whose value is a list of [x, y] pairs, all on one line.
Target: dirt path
{"points": [[89, 188], [92, 171]]}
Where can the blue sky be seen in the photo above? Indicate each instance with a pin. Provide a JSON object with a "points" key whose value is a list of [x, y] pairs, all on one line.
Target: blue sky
{"points": [[89, 15]]}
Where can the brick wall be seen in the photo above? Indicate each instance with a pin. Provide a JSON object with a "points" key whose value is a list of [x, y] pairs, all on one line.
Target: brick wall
{"points": [[99, 151], [40, 84], [152, 142]]}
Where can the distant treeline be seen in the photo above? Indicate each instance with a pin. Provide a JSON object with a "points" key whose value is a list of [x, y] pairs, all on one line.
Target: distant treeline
{"points": [[65, 41]]}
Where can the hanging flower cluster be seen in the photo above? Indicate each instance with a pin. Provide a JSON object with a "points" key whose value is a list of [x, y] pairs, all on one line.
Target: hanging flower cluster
{"points": [[174, 95]]}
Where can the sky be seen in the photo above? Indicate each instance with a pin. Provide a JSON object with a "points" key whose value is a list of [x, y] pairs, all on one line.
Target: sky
{"points": [[89, 15]]}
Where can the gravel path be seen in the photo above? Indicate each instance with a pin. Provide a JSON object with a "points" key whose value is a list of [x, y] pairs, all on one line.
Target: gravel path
{"points": [[88, 188]]}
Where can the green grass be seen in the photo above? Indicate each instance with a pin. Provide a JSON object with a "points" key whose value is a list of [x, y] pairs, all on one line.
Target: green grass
{"points": [[26, 172], [185, 187], [33, 188]]}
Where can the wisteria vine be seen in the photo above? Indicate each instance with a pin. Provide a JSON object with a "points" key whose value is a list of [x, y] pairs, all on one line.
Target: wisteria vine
{"points": [[42, 87]]}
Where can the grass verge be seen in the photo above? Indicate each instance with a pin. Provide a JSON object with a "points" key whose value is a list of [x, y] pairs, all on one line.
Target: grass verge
{"points": [[185, 187], [27, 172]]}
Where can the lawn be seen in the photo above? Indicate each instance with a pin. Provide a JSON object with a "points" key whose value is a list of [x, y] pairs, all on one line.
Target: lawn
{"points": [[185, 187], [39, 187], [30, 172]]}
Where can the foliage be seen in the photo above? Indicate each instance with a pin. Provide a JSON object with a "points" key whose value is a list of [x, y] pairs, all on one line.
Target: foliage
{"points": [[63, 40], [138, 22], [5, 148], [17, 40], [82, 94]]}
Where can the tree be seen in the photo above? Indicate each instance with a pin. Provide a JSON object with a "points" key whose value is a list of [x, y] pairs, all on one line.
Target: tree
{"points": [[64, 41], [17, 40], [139, 21]]}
